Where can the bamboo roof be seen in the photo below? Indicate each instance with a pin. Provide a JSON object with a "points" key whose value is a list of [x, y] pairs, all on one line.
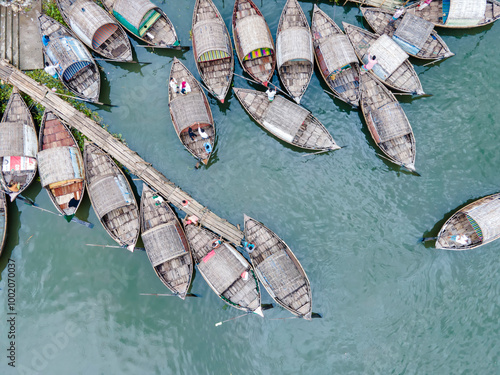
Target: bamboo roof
{"points": [[59, 164], [133, 10], [163, 243], [294, 44], [110, 192], [487, 216], [86, 17], [284, 117], [253, 33], [337, 52], [17, 139], [188, 110], [211, 35], [390, 122], [389, 54], [67, 51], [471, 10], [414, 30]]}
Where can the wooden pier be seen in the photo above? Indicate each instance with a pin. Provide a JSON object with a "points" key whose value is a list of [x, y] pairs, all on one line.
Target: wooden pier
{"points": [[129, 158]]}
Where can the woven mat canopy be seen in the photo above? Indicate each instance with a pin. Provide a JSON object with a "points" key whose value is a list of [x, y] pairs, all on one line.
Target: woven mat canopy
{"points": [[133, 10], [86, 22], [466, 12], [210, 35], [284, 118], [109, 193], [59, 164], [337, 52], [414, 30], [17, 139], [253, 34], [487, 216], [294, 44], [66, 51], [281, 273], [188, 110], [390, 122], [163, 243], [389, 55]]}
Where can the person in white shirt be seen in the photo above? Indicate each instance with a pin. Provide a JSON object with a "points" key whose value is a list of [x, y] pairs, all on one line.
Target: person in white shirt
{"points": [[270, 94], [51, 69]]}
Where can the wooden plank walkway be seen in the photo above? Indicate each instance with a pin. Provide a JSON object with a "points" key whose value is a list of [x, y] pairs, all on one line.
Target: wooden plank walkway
{"points": [[129, 158]]}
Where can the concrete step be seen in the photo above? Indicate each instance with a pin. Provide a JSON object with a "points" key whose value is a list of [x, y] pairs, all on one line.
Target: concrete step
{"points": [[9, 35], [3, 31]]}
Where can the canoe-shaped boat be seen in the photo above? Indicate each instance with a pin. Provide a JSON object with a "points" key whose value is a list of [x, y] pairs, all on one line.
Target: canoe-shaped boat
{"points": [[253, 41], [77, 70], [145, 21], [165, 243], [286, 120], [224, 269], [294, 51], [60, 165], [335, 57], [190, 113], [459, 14], [18, 146], [111, 196], [387, 122], [393, 68], [3, 220], [96, 28], [278, 269], [212, 48], [385, 4], [413, 34], [472, 226]]}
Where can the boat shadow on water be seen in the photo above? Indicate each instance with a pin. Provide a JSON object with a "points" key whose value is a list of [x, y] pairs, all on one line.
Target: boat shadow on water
{"points": [[12, 238]]}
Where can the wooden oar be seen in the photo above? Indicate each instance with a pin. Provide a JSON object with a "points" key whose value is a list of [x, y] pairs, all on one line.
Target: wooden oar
{"points": [[115, 246], [413, 94], [259, 83], [425, 239], [123, 61], [236, 317], [313, 316], [178, 48], [167, 295], [85, 100], [339, 98]]}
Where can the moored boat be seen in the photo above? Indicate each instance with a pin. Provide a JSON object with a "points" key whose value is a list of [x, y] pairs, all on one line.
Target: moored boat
{"points": [[145, 21], [472, 226], [76, 69], [190, 113], [60, 165], [393, 67], [413, 34], [111, 196], [286, 120], [3, 220], [387, 122], [18, 146], [385, 4], [253, 41], [165, 243], [336, 58], [224, 269], [95, 27], [458, 14], [278, 269], [294, 50], [212, 48]]}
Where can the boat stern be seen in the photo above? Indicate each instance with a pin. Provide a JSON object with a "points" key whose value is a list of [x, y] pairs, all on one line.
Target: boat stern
{"points": [[258, 311]]}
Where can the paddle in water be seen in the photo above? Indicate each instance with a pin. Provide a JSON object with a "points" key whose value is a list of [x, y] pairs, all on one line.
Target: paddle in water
{"points": [[168, 295]]}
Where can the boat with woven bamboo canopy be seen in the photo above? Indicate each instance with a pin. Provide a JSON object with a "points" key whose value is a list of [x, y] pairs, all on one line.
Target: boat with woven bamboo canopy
{"points": [[335, 57], [111, 196], [18, 146], [384, 4], [212, 48], [458, 14], [76, 69], [286, 120], [253, 41], [387, 122], [145, 21], [413, 34], [472, 226], [224, 269], [278, 269], [190, 113], [294, 51], [165, 243], [393, 67], [96, 28], [3, 220], [60, 165]]}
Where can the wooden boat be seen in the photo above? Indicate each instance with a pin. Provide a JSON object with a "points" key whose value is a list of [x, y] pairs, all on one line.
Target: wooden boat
{"points": [[278, 269], [286, 120], [3, 220], [472, 226], [191, 111], [165, 243], [77, 70], [145, 21], [111, 196], [335, 57], [212, 48], [387, 122], [253, 41], [294, 51], [459, 14], [18, 146], [224, 269], [96, 28], [413, 34], [60, 165], [393, 68], [385, 4]]}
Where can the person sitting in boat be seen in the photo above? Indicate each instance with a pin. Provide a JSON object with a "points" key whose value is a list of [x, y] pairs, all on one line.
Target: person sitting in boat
{"points": [[193, 219], [398, 13], [461, 239], [372, 61], [271, 93], [173, 85], [45, 40], [14, 186], [423, 4], [51, 70], [203, 133], [192, 134], [216, 244], [185, 88], [208, 147], [248, 246]]}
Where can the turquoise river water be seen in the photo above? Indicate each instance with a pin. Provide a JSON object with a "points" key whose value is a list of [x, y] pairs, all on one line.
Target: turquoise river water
{"points": [[390, 304]]}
